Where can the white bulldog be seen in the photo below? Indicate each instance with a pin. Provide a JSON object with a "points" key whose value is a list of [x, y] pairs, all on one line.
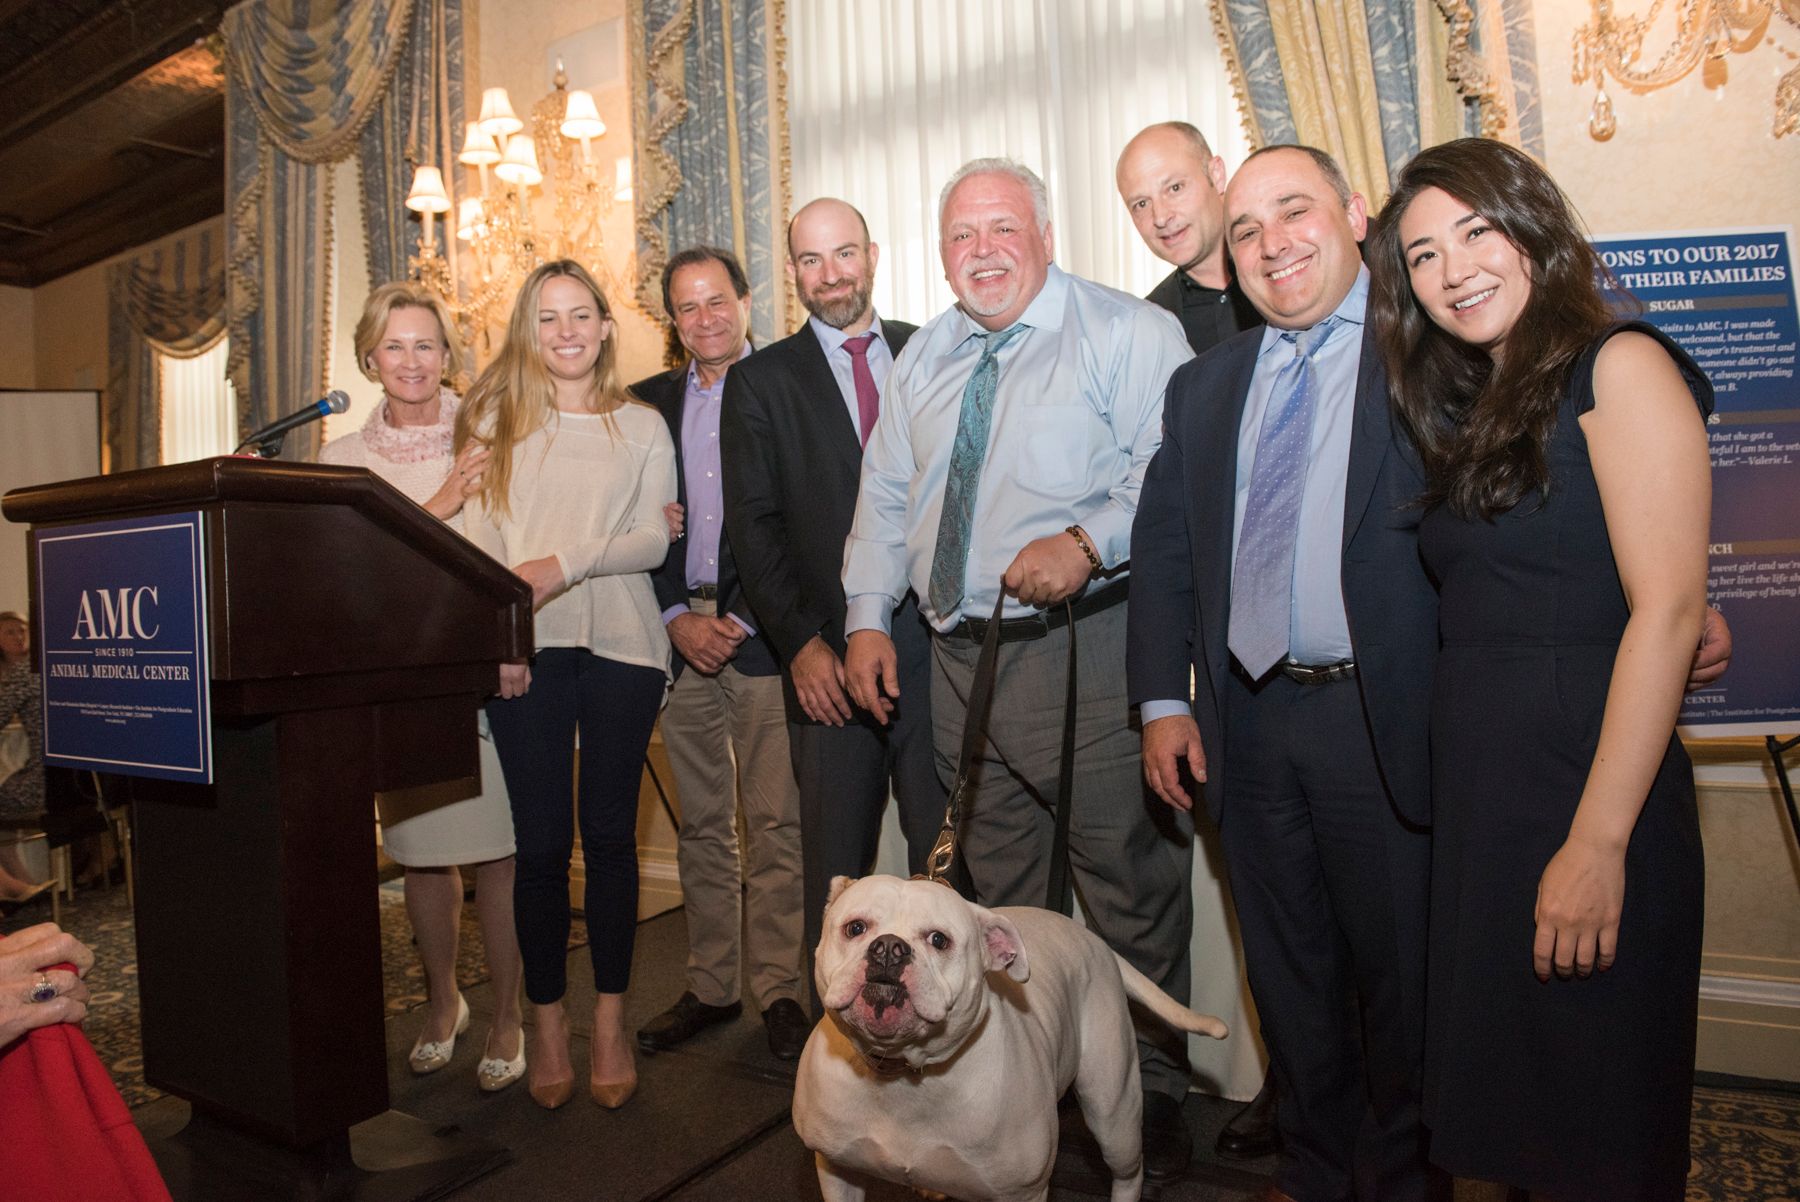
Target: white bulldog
{"points": [[950, 1033]]}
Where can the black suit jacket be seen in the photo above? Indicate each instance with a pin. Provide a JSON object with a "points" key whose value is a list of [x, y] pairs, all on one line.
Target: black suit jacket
{"points": [[755, 657], [792, 468], [1181, 564]]}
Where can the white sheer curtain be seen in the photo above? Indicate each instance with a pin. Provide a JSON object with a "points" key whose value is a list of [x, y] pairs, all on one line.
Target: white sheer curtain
{"points": [[199, 406], [887, 100]]}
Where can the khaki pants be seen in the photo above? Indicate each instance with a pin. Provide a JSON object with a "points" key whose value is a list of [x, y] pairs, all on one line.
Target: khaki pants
{"points": [[727, 740]]}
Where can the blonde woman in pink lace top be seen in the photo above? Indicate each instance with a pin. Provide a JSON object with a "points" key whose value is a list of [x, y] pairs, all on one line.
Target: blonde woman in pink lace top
{"points": [[406, 343]]}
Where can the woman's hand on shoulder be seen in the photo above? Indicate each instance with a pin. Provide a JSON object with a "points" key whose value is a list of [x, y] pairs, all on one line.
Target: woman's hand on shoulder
{"points": [[463, 482]]}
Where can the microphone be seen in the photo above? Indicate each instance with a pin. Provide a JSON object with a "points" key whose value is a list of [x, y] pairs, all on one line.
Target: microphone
{"points": [[268, 439]]}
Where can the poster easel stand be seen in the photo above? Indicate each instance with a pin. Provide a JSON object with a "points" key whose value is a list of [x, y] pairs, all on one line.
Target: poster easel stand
{"points": [[1777, 749]]}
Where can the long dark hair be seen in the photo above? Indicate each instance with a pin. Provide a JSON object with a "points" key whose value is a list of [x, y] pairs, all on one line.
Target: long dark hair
{"points": [[1481, 425]]}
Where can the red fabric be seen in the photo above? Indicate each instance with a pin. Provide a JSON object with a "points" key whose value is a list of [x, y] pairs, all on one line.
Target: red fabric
{"points": [[64, 1129]]}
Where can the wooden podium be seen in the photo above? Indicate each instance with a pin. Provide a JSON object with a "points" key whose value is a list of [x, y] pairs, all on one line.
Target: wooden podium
{"points": [[352, 638]]}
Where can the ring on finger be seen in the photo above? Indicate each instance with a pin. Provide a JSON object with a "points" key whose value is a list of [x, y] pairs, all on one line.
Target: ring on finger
{"points": [[43, 990]]}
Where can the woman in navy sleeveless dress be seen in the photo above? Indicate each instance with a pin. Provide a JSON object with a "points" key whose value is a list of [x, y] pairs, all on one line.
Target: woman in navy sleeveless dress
{"points": [[1566, 526]]}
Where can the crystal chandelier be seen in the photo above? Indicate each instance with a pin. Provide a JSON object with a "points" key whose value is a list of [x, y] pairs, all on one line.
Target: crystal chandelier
{"points": [[494, 218], [1706, 32]]}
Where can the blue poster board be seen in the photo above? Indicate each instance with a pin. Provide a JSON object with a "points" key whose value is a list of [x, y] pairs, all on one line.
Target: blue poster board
{"points": [[122, 632], [1727, 296]]}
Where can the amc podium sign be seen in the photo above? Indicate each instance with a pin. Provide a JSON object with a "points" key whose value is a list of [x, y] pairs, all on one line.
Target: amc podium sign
{"points": [[122, 632]]}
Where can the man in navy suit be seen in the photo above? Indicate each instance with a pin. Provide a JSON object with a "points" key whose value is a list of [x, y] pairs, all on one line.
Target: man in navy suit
{"points": [[797, 415], [1312, 678], [1296, 598], [725, 726]]}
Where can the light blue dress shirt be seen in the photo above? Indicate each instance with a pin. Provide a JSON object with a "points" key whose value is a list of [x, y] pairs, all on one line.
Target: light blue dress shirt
{"points": [[881, 362], [1077, 417], [1319, 631]]}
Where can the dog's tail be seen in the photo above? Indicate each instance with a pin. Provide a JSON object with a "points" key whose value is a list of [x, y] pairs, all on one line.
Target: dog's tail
{"points": [[1142, 990]]}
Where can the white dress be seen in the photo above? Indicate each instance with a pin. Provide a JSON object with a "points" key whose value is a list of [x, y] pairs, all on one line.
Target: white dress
{"points": [[436, 825]]}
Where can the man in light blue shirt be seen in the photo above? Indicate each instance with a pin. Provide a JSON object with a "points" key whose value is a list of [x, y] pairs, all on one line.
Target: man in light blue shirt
{"points": [[1011, 445]]}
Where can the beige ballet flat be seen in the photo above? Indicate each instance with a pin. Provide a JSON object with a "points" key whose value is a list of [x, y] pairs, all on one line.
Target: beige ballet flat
{"points": [[430, 1056], [494, 1074]]}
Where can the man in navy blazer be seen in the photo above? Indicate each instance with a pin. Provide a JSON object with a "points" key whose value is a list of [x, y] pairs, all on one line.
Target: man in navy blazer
{"points": [[797, 415], [725, 725], [1315, 770]]}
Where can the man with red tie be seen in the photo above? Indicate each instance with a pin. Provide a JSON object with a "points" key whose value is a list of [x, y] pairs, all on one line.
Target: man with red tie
{"points": [[796, 417]]}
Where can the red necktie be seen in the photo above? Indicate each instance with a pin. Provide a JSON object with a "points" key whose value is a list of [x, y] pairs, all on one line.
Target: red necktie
{"points": [[868, 400]]}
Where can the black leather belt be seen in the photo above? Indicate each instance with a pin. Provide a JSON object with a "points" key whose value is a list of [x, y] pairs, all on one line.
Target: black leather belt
{"points": [[704, 592], [1344, 669], [1038, 625]]}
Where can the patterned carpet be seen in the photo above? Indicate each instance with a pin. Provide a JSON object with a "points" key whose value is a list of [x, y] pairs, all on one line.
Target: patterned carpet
{"points": [[102, 920], [1746, 1144]]}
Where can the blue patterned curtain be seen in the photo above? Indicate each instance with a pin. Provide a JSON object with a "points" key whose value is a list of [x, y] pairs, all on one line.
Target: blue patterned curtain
{"points": [[710, 131], [170, 300], [1372, 81], [303, 78], [419, 120]]}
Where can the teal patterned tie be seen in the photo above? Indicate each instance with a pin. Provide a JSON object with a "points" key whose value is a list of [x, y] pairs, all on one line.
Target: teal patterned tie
{"points": [[1262, 583], [950, 563]]}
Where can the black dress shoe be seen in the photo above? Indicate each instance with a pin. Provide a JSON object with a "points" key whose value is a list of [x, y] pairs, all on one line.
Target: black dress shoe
{"points": [[1252, 1132], [788, 1028], [682, 1021], [1168, 1144]]}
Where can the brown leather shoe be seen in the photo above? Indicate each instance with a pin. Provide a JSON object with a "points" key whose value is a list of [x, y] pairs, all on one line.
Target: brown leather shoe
{"points": [[681, 1022]]}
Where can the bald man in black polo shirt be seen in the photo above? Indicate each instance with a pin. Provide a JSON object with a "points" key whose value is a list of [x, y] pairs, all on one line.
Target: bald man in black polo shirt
{"points": [[1173, 186]]}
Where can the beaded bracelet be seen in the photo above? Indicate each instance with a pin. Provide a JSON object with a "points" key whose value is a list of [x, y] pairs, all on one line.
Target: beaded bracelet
{"points": [[1081, 541]]}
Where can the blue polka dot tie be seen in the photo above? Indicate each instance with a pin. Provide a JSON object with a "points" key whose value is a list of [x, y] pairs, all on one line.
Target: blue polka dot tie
{"points": [[1262, 579], [950, 561]]}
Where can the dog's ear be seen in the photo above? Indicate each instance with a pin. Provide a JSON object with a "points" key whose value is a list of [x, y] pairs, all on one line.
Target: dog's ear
{"points": [[1004, 951], [838, 885]]}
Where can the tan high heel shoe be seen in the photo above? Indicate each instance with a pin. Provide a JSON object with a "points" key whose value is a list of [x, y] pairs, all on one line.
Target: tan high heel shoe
{"points": [[551, 1094], [548, 1094], [611, 1095]]}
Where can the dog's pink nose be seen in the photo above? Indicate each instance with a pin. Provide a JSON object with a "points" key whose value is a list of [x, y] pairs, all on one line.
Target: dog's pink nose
{"points": [[889, 952]]}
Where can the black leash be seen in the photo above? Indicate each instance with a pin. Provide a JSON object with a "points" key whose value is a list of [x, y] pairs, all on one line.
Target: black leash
{"points": [[1059, 896]]}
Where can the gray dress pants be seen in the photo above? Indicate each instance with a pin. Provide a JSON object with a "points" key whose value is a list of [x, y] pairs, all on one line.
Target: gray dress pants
{"points": [[1132, 857]]}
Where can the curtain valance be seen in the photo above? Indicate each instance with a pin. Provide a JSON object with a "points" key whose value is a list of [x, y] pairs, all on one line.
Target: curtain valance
{"points": [[313, 72]]}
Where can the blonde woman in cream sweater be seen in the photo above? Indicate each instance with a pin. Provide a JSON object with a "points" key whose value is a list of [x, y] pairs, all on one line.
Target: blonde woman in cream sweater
{"points": [[571, 499], [406, 342]]}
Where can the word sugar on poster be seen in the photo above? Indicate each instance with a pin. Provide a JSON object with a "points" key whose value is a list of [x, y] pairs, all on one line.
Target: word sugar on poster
{"points": [[1727, 297]]}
